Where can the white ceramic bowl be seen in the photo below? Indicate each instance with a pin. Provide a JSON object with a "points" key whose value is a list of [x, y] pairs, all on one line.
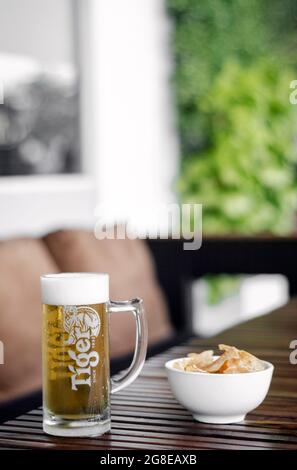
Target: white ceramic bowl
{"points": [[219, 398]]}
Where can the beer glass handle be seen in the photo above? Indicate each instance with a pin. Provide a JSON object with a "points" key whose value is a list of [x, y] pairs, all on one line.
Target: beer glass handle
{"points": [[135, 306]]}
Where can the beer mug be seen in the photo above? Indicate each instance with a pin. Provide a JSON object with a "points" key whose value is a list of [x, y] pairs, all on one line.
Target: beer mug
{"points": [[76, 378]]}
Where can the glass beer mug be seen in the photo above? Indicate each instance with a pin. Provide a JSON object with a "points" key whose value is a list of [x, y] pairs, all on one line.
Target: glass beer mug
{"points": [[76, 378]]}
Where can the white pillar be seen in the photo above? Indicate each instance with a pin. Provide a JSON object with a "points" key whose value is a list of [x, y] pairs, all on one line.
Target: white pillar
{"points": [[128, 128]]}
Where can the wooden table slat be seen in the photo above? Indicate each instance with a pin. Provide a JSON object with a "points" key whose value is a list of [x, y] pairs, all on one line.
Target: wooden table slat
{"points": [[146, 415]]}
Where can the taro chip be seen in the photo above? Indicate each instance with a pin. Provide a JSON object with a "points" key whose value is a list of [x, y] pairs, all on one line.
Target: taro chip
{"points": [[179, 365], [252, 363], [218, 365], [233, 366], [193, 368], [200, 360], [232, 361], [245, 362]]}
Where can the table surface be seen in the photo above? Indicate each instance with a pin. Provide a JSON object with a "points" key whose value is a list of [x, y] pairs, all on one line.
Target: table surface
{"points": [[146, 416]]}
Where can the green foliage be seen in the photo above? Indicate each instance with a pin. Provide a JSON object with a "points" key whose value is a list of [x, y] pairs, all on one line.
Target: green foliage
{"points": [[246, 177], [221, 286], [234, 63]]}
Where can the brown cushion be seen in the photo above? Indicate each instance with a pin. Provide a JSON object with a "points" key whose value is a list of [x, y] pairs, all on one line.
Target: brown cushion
{"points": [[131, 275], [21, 264]]}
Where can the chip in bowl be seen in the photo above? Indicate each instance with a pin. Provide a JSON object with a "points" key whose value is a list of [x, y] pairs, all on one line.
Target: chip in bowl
{"points": [[232, 361]]}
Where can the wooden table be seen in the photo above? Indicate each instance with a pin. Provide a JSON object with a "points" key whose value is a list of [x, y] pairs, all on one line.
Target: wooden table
{"points": [[146, 416]]}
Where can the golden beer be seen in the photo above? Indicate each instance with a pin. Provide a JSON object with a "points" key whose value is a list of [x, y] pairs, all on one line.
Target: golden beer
{"points": [[75, 360], [76, 378]]}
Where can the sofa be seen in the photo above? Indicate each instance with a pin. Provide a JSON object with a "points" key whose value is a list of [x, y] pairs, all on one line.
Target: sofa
{"points": [[23, 260]]}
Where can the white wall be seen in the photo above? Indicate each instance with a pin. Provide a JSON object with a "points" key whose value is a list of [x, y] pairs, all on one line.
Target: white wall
{"points": [[128, 124], [34, 206]]}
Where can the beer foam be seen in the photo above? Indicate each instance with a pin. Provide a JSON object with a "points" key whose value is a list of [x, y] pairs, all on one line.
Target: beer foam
{"points": [[75, 288]]}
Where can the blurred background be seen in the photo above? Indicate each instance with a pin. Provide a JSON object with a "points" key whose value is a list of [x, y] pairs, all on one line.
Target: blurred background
{"points": [[137, 104]]}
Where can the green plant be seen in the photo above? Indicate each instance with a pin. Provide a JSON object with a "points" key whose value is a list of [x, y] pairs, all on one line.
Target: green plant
{"points": [[246, 175], [234, 60], [206, 33], [221, 286]]}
